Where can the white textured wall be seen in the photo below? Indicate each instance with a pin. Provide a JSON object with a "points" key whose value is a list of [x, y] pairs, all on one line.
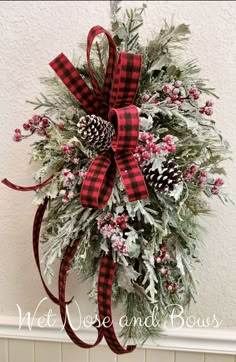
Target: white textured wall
{"points": [[33, 33]]}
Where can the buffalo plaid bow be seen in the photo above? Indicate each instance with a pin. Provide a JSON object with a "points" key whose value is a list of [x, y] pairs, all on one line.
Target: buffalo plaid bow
{"points": [[112, 102]]}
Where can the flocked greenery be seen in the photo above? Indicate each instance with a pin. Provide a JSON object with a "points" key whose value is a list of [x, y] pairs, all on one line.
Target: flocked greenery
{"points": [[163, 220]]}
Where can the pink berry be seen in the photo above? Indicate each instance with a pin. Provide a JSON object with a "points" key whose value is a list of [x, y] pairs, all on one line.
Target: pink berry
{"points": [[144, 136], [17, 130], [192, 90], [202, 110], [124, 249], [26, 126], [214, 190], [208, 111], [165, 147], [155, 101], [177, 83], [67, 149], [168, 139], [158, 259], [169, 100], [75, 160], [176, 91], [209, 103], [156, 149], [166, 89], [40, 132], [45, 122], [150, 146], [140, 149], [163, 248], [219, 182], [171, 148], [150, 136], [119, 220], [36, 119], [196, 95], [145, 98], [188, 176], [17, 137], [123, 226], [175, 286], [146, 155], [193, 169], [65, 199], [174, 97]]}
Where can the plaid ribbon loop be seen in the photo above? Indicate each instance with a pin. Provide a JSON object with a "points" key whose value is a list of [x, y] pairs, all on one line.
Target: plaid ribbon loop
{"points": [[112, 102]]}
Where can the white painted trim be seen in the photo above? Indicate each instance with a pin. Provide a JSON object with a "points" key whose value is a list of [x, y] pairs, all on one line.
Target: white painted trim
{"points": [[208, 340]]}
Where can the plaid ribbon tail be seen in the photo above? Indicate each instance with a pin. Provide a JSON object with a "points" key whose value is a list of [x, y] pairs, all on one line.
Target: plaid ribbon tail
{"points": [[105, 281], [26, 188], [76, 85], [64, 268], [131, 176], [36, 232], [99, 181]]}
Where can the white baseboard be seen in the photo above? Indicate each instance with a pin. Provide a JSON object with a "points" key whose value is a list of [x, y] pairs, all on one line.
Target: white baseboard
{"points": [[207, 340]]}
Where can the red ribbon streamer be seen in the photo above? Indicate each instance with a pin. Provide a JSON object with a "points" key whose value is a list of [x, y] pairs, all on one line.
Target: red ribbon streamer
{"points": [[113, 102]]}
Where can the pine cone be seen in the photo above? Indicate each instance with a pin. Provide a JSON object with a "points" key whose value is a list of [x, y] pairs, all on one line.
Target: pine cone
{"points": [[167, 179], [95, 132]]}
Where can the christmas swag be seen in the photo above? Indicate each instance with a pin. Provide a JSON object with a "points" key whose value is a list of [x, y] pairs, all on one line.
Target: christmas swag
{"points": [[132, 154]]}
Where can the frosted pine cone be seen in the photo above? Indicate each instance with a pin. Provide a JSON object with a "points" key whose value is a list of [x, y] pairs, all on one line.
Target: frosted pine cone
{"points": [[95, 132], [167, 179]]}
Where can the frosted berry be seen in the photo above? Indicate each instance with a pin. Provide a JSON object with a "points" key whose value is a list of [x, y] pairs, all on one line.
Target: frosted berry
{"points": [[219, 182], [123, 226], [17, 137], [168, 138], [45, 122], [176, 91], [208, 111], [36, 119], [26, 126], [146, 155], [166, 89], [196, 95], [214, 190], [17, 130], [209, 103], [177, 83]]}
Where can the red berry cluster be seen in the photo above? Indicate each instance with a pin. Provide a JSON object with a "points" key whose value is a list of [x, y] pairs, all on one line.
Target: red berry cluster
{"points": [[162, 257], [150, 147], [217, 183], [38, 124], [174, 93], [194, 93], [190, 173], [207, 109], [203, 179], [115, 223]]}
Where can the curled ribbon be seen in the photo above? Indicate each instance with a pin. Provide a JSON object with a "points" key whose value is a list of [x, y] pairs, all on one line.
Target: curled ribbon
{"points": [[113, 102]]}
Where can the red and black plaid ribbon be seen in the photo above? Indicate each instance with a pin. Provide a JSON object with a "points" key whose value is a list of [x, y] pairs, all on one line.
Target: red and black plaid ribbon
{"points": [[105, 281], [112, 102]]}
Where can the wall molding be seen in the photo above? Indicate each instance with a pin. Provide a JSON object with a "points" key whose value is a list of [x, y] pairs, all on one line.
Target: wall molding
{"points": [[207, 340]]}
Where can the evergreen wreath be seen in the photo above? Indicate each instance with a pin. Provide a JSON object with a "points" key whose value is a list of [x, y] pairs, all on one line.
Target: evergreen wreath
{"points": [[150, 239]]}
